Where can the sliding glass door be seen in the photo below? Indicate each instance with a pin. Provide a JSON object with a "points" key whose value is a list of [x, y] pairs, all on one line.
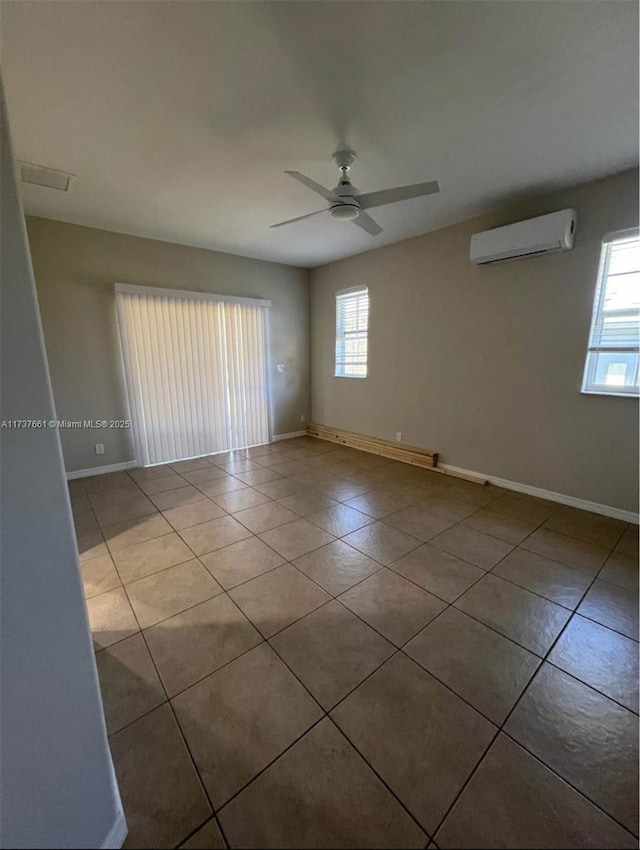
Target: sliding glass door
{"points": [[196, 371]]}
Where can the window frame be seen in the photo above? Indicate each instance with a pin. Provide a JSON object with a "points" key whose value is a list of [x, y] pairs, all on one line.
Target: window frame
{"points": [[354, 290], [589, 387]]}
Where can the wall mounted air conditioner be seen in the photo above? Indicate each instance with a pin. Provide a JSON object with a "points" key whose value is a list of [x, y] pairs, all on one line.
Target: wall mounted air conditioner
{"points": [[546, 234]]}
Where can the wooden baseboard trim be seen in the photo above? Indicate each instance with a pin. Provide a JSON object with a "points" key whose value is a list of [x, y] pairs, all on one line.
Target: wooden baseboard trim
{"points": [[385, 448]]}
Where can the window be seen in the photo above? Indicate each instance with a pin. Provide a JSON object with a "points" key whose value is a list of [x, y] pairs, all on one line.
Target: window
{"points": [[352, 327], [614, 341]]}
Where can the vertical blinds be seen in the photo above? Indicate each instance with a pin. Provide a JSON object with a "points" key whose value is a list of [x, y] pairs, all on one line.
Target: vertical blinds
{"points": [[352, 329], [196, 372]]}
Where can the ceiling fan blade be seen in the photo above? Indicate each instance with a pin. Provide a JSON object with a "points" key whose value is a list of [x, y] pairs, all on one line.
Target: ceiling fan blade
{"points": [[400, 193], [365, 221], [327, 194], [299, 218]]}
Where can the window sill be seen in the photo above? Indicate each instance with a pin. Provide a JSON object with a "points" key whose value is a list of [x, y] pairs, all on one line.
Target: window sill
{"points": [[352, 377], [635, 394]]}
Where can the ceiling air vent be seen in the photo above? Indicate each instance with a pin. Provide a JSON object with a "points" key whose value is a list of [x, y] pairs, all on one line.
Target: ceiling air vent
{"points": [[39, 175]]}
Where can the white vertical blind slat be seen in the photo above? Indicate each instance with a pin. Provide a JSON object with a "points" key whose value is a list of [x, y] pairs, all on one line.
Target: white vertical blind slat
{"points": [[196, 374]]}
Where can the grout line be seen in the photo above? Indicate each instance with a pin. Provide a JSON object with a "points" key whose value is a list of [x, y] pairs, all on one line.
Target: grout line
{"points": [[501, 728], [396, 649]]}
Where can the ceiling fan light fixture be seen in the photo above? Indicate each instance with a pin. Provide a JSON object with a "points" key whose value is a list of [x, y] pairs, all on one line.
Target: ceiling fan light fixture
{"points": [[344, 212]]}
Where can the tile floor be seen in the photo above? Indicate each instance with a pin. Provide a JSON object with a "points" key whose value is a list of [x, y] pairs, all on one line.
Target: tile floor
{"points": [[303, 645]]}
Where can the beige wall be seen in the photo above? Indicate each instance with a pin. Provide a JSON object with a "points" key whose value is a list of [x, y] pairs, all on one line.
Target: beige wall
{"points": [[484, 365], [75, 269]]}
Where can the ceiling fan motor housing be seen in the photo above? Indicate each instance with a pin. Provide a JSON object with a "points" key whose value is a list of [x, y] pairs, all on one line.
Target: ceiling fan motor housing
{"points": [[348, 208], [344, 211]]}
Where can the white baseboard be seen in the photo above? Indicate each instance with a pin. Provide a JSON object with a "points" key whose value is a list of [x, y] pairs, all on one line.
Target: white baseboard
{"points": [[550, 495], [117, 834], [288, 436], [100, 470]]}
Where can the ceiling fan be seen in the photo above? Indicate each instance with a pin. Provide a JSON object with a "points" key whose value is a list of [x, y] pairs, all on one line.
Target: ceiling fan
{"points": [[346, 203]]}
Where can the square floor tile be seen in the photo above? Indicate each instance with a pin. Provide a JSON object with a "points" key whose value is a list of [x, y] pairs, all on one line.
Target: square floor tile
{"points": [[309, 502], [296, 538], [258, 476], [449, 508], [522, 507], [499, 525], [161, 484], [418, 736], [190, 465], [129, 683], [114, 495], [85, 521], [264, 517], [484, 668], [513, 800], [568, 550], [162, 795], [479, 549], [604, 659], [279, 488], [208, 837], [238, 720], [214, 534], [339, 519], [438, 572], [99, 575], [168, 592], [550, 579], [320, 793], [142, 559], [198, 641], [527, 619], [376, 503], [587, 739], [393, 606], [240, 500], [331, 651], [628, 543], [194, 513], [476, 494], [131, 531], [612, 606], [91, 544], [418, 521], [110, 618], [382, 542], [621, 570], [120, 511], [337, 566], [220, 486], [206, 473], [278, 598], [409, 492], [233, 467], [233, 565], [341, 489], [290, 467], [603, 531], [150, 473]]}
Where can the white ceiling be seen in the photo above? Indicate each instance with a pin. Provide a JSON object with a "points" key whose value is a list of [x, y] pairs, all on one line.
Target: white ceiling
{"points": [[179, 117]]}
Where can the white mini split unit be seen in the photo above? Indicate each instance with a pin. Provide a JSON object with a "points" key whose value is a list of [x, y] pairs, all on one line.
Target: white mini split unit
{"points": [[546, 234]]}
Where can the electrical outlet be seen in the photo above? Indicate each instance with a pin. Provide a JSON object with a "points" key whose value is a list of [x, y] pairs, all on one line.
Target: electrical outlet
{"points": [[398, 436], [303, 418], [99, 448], [280, 367]]}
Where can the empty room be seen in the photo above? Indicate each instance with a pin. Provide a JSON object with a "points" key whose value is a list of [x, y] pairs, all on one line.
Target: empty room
{"points": [[319, 449]]}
